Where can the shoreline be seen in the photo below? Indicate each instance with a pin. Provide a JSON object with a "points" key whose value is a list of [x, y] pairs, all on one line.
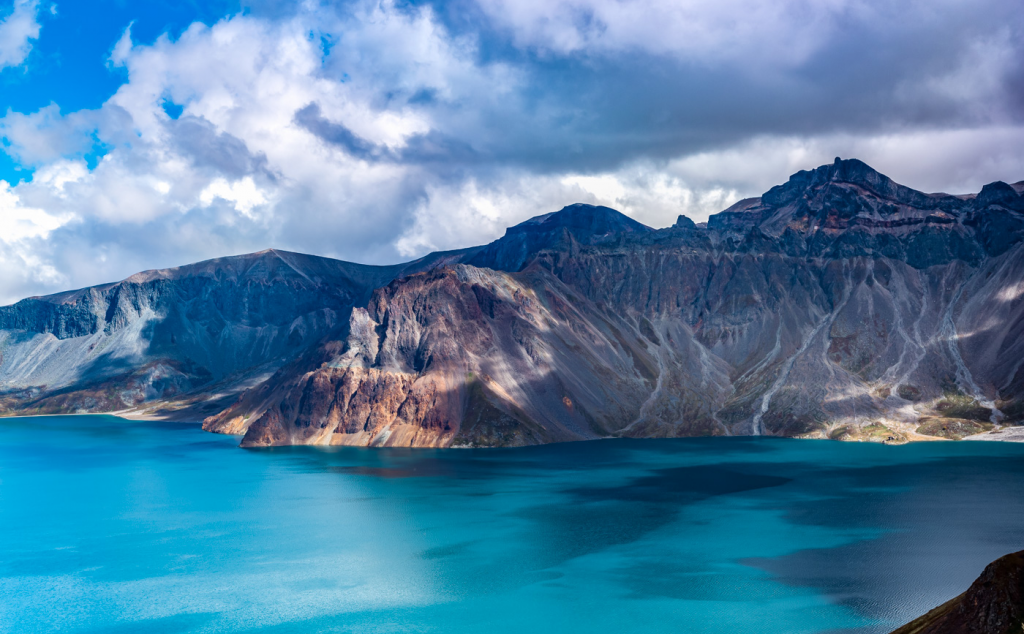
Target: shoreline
{"points": [[1012, 433], [118, 414]]}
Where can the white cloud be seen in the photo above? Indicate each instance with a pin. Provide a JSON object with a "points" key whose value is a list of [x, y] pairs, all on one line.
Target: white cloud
{"points": [[122, 49], [46, 135], [22, 230], [469, 213], [18, 223], [59, 173], [153, 198], [17, 30], [957, 161], [242, 193], [463, 142], [654, 195], [787, 31]]}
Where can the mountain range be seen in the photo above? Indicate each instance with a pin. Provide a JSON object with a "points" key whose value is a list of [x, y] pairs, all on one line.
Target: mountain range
{"points": [[839, 304]]}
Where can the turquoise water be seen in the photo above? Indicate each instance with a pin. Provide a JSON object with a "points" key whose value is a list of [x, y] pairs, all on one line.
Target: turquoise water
{"points": [[114, 526]]}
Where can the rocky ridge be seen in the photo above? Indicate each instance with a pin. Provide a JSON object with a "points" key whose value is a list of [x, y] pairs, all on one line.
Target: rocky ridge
{"points": [[994, 604], [839, 304], [190, 335]]}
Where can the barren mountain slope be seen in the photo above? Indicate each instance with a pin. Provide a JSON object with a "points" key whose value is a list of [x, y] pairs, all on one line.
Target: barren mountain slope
{"points": [[162, 335], [470, 356], [839, 304]]}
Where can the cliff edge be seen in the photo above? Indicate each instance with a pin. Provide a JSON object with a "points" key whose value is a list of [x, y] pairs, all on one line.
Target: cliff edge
{"points": [[994, 604]]}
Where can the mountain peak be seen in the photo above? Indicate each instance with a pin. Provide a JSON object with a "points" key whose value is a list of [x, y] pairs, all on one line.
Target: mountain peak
{"points": [[581, 223], [859, 173], [684, 222], [843, 194], [582, 219], [1000, 193], [851, 171]]}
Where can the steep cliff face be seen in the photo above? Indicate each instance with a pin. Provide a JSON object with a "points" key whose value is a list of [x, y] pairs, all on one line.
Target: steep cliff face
{"points": [[469, 356], [840, 304]]}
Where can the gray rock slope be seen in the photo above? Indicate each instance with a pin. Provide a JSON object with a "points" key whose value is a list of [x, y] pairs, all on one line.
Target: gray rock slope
{"points": [[164, 334], [839, 304]]}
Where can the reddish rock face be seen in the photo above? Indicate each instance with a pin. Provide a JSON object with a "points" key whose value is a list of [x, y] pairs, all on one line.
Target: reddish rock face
{"points": [[467, 356], [839, 304]]}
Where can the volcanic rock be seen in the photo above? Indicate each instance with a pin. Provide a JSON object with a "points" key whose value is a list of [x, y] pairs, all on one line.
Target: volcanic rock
{"points": [[838, 301]]}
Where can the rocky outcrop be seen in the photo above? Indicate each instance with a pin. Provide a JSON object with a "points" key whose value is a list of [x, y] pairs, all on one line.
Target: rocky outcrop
{"points": [[994, 604], [469, 356], [839, 305]]}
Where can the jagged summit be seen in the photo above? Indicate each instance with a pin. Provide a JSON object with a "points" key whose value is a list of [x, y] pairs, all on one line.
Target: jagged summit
{"points": [[849, 208], [854, 172]]}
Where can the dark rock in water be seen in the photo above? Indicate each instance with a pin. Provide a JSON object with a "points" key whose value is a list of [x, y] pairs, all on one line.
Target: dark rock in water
{"points": [[994, 604], [838, 305]]}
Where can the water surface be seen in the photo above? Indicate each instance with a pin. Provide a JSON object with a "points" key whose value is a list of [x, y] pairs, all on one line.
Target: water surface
{"points": [[115, 526]]}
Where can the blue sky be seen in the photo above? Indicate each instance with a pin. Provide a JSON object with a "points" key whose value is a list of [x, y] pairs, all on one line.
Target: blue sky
{"points": [[69, 65], [151, 134]]}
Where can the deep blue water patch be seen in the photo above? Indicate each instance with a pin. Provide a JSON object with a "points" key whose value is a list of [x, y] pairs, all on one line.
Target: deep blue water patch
{"points": [[115, 526]]}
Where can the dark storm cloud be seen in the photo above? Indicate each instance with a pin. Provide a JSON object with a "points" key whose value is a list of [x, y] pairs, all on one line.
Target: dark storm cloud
{"points": [[888, 69], [338, 135], [430, 147]]}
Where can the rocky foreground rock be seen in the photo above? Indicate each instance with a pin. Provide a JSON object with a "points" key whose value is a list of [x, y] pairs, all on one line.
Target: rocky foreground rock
{"points": [[994, 604], [839, 304]]}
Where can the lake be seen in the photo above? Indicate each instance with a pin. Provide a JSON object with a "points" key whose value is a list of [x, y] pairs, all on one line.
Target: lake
{"points": [[117, 526]]}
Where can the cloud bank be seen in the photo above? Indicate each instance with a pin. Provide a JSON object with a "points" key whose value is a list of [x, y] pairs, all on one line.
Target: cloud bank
{"points": [[17, 30], [379, 131]]}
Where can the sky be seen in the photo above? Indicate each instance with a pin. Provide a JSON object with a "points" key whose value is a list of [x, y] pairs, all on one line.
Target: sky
{"points": [[140, 135]]}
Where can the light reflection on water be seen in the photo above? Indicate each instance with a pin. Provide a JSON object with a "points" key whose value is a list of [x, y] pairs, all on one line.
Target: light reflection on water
{"points": [[115, 526]]}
